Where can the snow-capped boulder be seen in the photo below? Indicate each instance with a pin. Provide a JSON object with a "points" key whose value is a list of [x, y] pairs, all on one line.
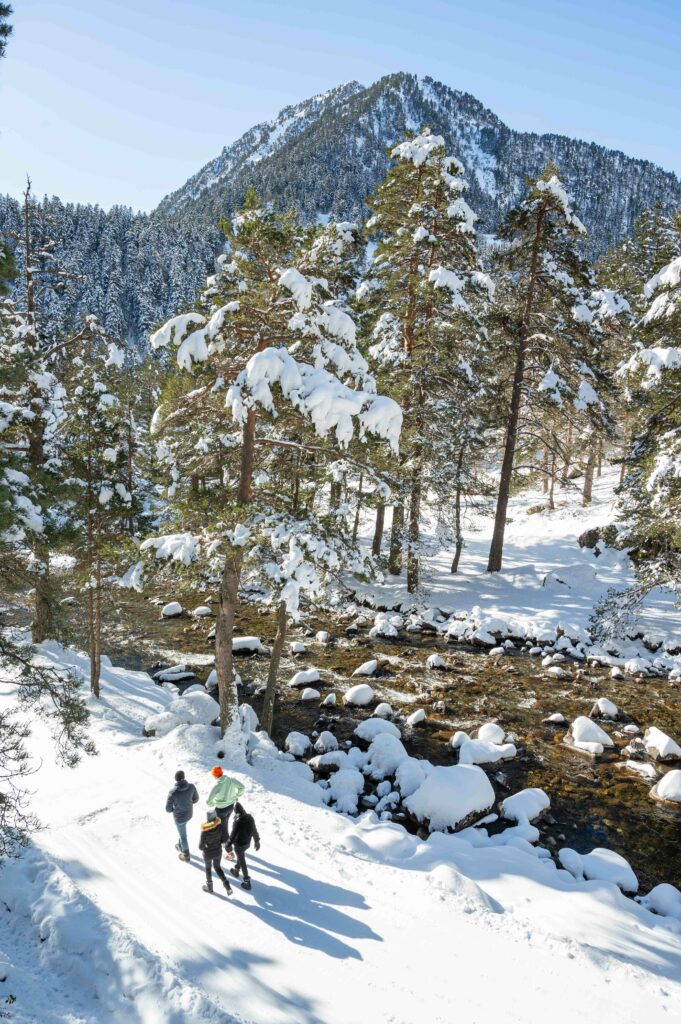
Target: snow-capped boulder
{"points": [[642, 768], [323, 637], [434, 661], [555, 719], [637, 666], [383, 710], [359, 695], [410, 774], [247, 645], [248, 718], [607, 866], [367, 668], [297, 647], [604, 708], [660, 746], [174, 674], [631, 729], [369, 729], [483, 752], [525, 806], [332, 761], [385, 754], [616, 672], [586, 736], [202, 611], [495, 652], [196, 708], [668, 789], [450, 795], [297, 744], [302, 678], [417, 717], [664, 899], [171, 610], [556, 672], [326, 742], [490, 732], [310, 694], [572, 862], [329, 701], [458, 739], [345, 787]]}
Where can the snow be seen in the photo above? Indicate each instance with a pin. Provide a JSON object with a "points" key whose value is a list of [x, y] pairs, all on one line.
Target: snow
{"points": [[420, 150], [297, 744], [367, 668], [435, 661], [556, 188], [526, 805], [450, 795], [669, 786], [310, 694], [416, 717], [606, 708], [326, 742], [490, 732], [663, 899], [128, 934], [171, 610], [589, 736], [660, 746], [484, 752], [297, 647], [386, 752], [251, 644], [383, 710], [305, 676], [369, 729], [344, 789], [608, 866], [180, 547], [202, 611], [361, 695], [299, 286]]}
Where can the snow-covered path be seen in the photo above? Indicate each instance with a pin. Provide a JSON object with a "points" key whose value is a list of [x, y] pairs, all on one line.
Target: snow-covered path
{"points": [[347, 922]]}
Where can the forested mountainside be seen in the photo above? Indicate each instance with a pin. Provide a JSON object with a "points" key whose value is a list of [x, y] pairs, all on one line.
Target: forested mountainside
{"points": [[323, 156]]}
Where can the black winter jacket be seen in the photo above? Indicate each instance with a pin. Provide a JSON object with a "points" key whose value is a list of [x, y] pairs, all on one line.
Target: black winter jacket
{"points": [[211, 838], [181, 799], [243, 831]]}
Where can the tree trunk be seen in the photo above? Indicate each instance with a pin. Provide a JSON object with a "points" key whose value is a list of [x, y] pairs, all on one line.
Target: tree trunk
{"points": [[378, 529], [396, 531], [599, 470], [552, 486], [335, 495], [96, 654], [589, 478], [497, 546], [567, 461], [545, 470], [355, 525], [271, 688], [413, 540], [457, 515]]}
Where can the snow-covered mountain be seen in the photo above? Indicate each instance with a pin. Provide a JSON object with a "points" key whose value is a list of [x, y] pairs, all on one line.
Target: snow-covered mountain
{"points": [[323, 156], [327, 154]]}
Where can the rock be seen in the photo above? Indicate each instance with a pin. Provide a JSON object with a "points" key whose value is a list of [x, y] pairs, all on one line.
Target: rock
{"points": [[323, 637], [587, 737], [310, 694], [302, 678], [383, 710], [326, 742], [616, 672], [297, 744], [643, 768], [451, 797], [526, 806], [416, 718], [590, 538], [608, 866], [631, 729], [434, 661], [370, 728], [556, 672], [604, 708], [555, 719], [496, 651], [359, 695], [329, 701], [171, 610], [490, 732], [457, 739], [367, 668], [533, 510], [485, 752], [297, 647], [660, 746], [247, 645]]}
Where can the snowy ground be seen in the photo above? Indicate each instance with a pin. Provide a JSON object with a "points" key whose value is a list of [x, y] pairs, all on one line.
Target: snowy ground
{"points": [[547, 580], [348, 921]]}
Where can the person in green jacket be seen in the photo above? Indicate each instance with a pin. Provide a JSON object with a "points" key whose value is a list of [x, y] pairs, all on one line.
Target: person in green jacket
{"points": [[222, 798]]}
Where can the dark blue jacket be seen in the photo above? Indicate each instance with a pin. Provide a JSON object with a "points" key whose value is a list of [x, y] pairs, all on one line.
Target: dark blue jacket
{"points": [[181, 799]]}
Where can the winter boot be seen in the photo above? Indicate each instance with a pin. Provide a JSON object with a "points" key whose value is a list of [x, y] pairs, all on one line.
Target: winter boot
{"points": [[184, 856], [228, 888], [207, 887], [246, 884], [234, 871]]}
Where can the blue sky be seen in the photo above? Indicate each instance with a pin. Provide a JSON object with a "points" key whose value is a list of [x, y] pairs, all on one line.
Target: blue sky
{"points": [[120, 101]]}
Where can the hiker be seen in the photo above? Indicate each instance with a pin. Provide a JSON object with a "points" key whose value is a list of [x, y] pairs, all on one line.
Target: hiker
{"points": [[222, 798], [210, 844], [180, 804], [243, 831]]}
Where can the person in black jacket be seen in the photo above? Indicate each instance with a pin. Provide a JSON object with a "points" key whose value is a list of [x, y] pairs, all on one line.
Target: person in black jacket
{"points": [[180, 804], [240, 838], [210, 844]]}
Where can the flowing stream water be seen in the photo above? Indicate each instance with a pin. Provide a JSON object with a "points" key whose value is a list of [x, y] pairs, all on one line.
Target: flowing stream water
{"points": [[597, 803]]}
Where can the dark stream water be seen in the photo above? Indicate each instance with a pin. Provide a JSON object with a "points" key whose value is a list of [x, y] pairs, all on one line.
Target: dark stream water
{"points": [[592, 803]]}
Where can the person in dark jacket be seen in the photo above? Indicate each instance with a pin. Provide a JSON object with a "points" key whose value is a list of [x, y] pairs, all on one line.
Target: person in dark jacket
{"points": [[210, 844], [243, 832], [180, 804]]}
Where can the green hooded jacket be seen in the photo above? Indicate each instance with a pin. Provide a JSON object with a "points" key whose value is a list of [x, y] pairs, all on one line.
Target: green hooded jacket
{"points": [[225, 792]]}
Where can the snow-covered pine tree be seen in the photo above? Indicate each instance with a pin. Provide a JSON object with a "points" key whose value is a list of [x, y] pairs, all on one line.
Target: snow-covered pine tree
{"points": [[5, 27], [542, 331], [651, 490], [651, 246], [94, 458], [271, 346], [422, 296]]}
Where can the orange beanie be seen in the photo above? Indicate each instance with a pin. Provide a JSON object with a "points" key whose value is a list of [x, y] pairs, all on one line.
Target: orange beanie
{"points": [[216, 772]]}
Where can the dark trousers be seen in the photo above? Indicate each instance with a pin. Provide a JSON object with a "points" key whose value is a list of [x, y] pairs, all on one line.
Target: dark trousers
{"points": [[241, 865], [223, 814], [214, 860]]}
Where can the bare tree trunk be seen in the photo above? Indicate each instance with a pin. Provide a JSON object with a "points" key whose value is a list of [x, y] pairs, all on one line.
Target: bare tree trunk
{"points": [[335, 495], [413, 540], [497, 546], [271, 688], [589, 478], [599, 470], [553, 481], [567, 461], [378, 529], [355, 525], [396, 532], [457, 515], [545, 470], [96, 655], [131, 455]]}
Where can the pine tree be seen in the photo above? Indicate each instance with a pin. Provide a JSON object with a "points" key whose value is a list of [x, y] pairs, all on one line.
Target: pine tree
{"points": [[424, 288], [5, 27], [542, 326]]}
